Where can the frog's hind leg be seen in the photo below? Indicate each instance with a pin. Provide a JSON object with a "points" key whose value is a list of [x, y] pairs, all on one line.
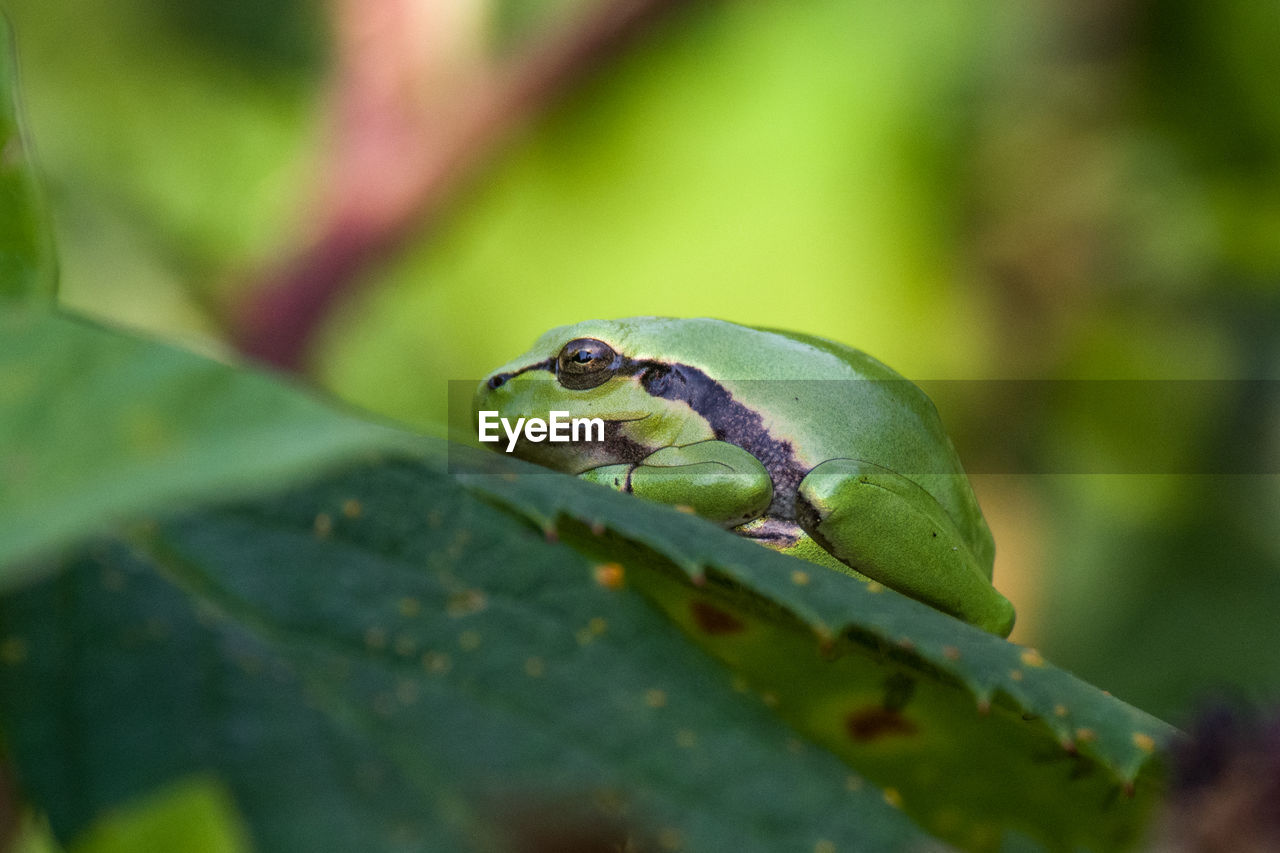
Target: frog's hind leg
{"points": [[890, 529]]}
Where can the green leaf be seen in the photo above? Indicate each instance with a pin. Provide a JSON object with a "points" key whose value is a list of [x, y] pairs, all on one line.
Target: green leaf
{"points": [[381, 661], [410, 653], [28, 268], [975, 736], [97, 426]]}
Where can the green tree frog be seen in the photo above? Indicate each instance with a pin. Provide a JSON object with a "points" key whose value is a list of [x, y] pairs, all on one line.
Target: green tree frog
{"points": [[802, 444]]}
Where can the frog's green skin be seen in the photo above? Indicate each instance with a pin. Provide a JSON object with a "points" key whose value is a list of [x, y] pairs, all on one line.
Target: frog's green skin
{"points": [[855, 475]]}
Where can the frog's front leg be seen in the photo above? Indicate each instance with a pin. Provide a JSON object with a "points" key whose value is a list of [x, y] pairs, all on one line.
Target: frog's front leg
{"points": [[719, 481], [890, 529]]}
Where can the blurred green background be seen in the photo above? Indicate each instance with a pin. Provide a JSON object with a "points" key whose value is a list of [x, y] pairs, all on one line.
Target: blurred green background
{"points": [[995, 190]]}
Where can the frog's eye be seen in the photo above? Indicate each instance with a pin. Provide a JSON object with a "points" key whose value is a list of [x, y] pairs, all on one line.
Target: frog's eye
{"points": [[585, 363]]}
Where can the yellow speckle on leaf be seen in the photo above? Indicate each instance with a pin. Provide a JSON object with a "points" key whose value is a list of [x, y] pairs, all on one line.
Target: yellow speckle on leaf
{"points": [[655, 698], [375, 638], [469, 641], [875, 587], [461, 538], [686, 739], [596, 627], [466, 602], [535, 667], [670, 839], [893, 798], [824, 846], [1144, 742], [1086, 735], [436, 663], [1060, 710], [610, 575], [611, 802], [853, 783], [1015, 674], [1031, 657], [769, 699], [799, 578], [323, 525], [686, 509], [948, 819], [13, 650], [951, 653], [409, 607], [351, 508]]}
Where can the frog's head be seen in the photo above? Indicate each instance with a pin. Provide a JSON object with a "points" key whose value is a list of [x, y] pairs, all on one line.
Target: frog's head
{"points": [[594, 369]]}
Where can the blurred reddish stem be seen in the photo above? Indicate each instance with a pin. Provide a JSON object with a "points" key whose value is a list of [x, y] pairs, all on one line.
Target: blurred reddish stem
{"points": [[417, 110]]}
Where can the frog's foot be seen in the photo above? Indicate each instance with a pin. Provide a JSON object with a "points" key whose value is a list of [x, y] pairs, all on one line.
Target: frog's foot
{"points": [[718, 481], [889, 528]]}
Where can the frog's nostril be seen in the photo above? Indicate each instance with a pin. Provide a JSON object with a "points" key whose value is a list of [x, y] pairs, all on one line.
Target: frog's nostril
{"points": [[497, 380]]}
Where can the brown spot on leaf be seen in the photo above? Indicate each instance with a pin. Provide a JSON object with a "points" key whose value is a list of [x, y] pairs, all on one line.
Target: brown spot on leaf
{"points": [[323, 525], [538, 826], [713, 620], [871, 724]]}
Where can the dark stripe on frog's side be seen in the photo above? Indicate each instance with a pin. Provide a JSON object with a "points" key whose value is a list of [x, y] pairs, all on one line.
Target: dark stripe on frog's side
{"points": [[620, 447], [730, 421]]}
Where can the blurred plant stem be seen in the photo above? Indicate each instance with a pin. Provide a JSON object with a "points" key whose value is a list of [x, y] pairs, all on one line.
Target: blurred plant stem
{"points": [[417, 108]]}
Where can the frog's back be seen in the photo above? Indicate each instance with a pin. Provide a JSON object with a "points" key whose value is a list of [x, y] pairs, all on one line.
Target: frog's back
{"points": [[710, 345], [886, 419], [822, 398]]}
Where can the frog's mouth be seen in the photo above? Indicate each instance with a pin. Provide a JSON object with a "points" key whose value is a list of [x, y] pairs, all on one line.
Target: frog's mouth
{"points": [[617, 447], [497, 380], [621, 447]]}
